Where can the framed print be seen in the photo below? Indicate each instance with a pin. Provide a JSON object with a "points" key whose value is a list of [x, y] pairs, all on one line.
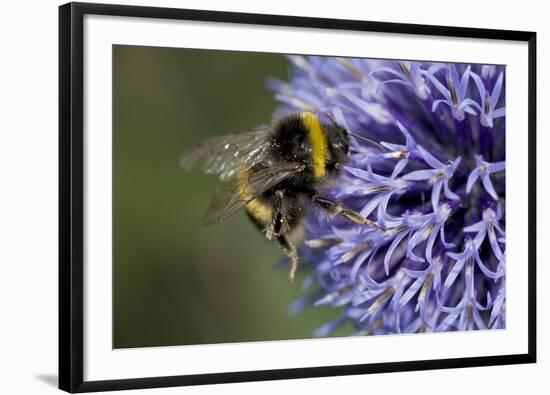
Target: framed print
{"points": [[257, 197]]}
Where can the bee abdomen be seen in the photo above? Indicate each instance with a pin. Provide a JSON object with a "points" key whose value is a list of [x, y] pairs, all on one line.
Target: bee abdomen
{"points": [[260, 212]]}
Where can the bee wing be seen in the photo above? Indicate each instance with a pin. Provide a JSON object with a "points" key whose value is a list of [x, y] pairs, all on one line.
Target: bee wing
{"points": [[223, 155], [230, 197]]}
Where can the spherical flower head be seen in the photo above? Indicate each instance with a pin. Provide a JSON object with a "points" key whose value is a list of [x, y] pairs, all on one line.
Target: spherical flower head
{"points": [[435, 181]]}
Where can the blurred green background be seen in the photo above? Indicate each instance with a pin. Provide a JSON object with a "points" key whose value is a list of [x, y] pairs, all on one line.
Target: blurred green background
{"points": [[176, 281]]}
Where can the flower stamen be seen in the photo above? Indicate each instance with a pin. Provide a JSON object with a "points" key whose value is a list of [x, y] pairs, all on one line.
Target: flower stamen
{"points": [[323, 243], [352, 69], [348, 256], [424, 290], [405, 70], [381, 300]]}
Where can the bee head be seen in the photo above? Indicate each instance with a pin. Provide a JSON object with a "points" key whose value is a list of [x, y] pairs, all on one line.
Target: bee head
{"points": [[338, 146]]}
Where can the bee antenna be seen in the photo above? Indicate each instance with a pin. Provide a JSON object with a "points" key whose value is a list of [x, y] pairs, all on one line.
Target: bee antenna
{"points": [[371, 142], [367, 140]]}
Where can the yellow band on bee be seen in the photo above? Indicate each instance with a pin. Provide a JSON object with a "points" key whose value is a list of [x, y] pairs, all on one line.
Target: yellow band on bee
{"points": [[318, 142], [261, 212]]}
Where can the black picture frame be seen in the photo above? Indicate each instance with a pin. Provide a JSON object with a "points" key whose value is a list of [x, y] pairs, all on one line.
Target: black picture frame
{"points": [[71, 205]]}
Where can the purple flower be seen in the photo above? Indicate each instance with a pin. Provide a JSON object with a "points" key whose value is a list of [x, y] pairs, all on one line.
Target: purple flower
{"points": [[381, 188], [454, 93], [428, 232], [426, 281], [469, 254], [489, 226], [439, 176], [467, 312], [440, 264], [488, 103], [483, 171], [409, 74]]}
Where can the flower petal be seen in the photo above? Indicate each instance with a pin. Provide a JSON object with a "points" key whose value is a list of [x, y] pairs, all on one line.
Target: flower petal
{"points": [[389, 70], [480, 86], [395, 81], [472, 178], [444, 91], [464, 83], [391, 249], [420, 175], [436, 192], [488, 185], [496, 91], [499, 112]]}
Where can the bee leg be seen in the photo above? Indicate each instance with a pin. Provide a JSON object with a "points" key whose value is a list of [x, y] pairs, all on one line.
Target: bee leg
{"points": [[291, 252], [269, 232], [280, 218], [337, 208], [280, 226]]}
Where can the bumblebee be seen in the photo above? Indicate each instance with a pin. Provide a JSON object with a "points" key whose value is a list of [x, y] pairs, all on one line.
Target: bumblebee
{"points": [[275, 173]]}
